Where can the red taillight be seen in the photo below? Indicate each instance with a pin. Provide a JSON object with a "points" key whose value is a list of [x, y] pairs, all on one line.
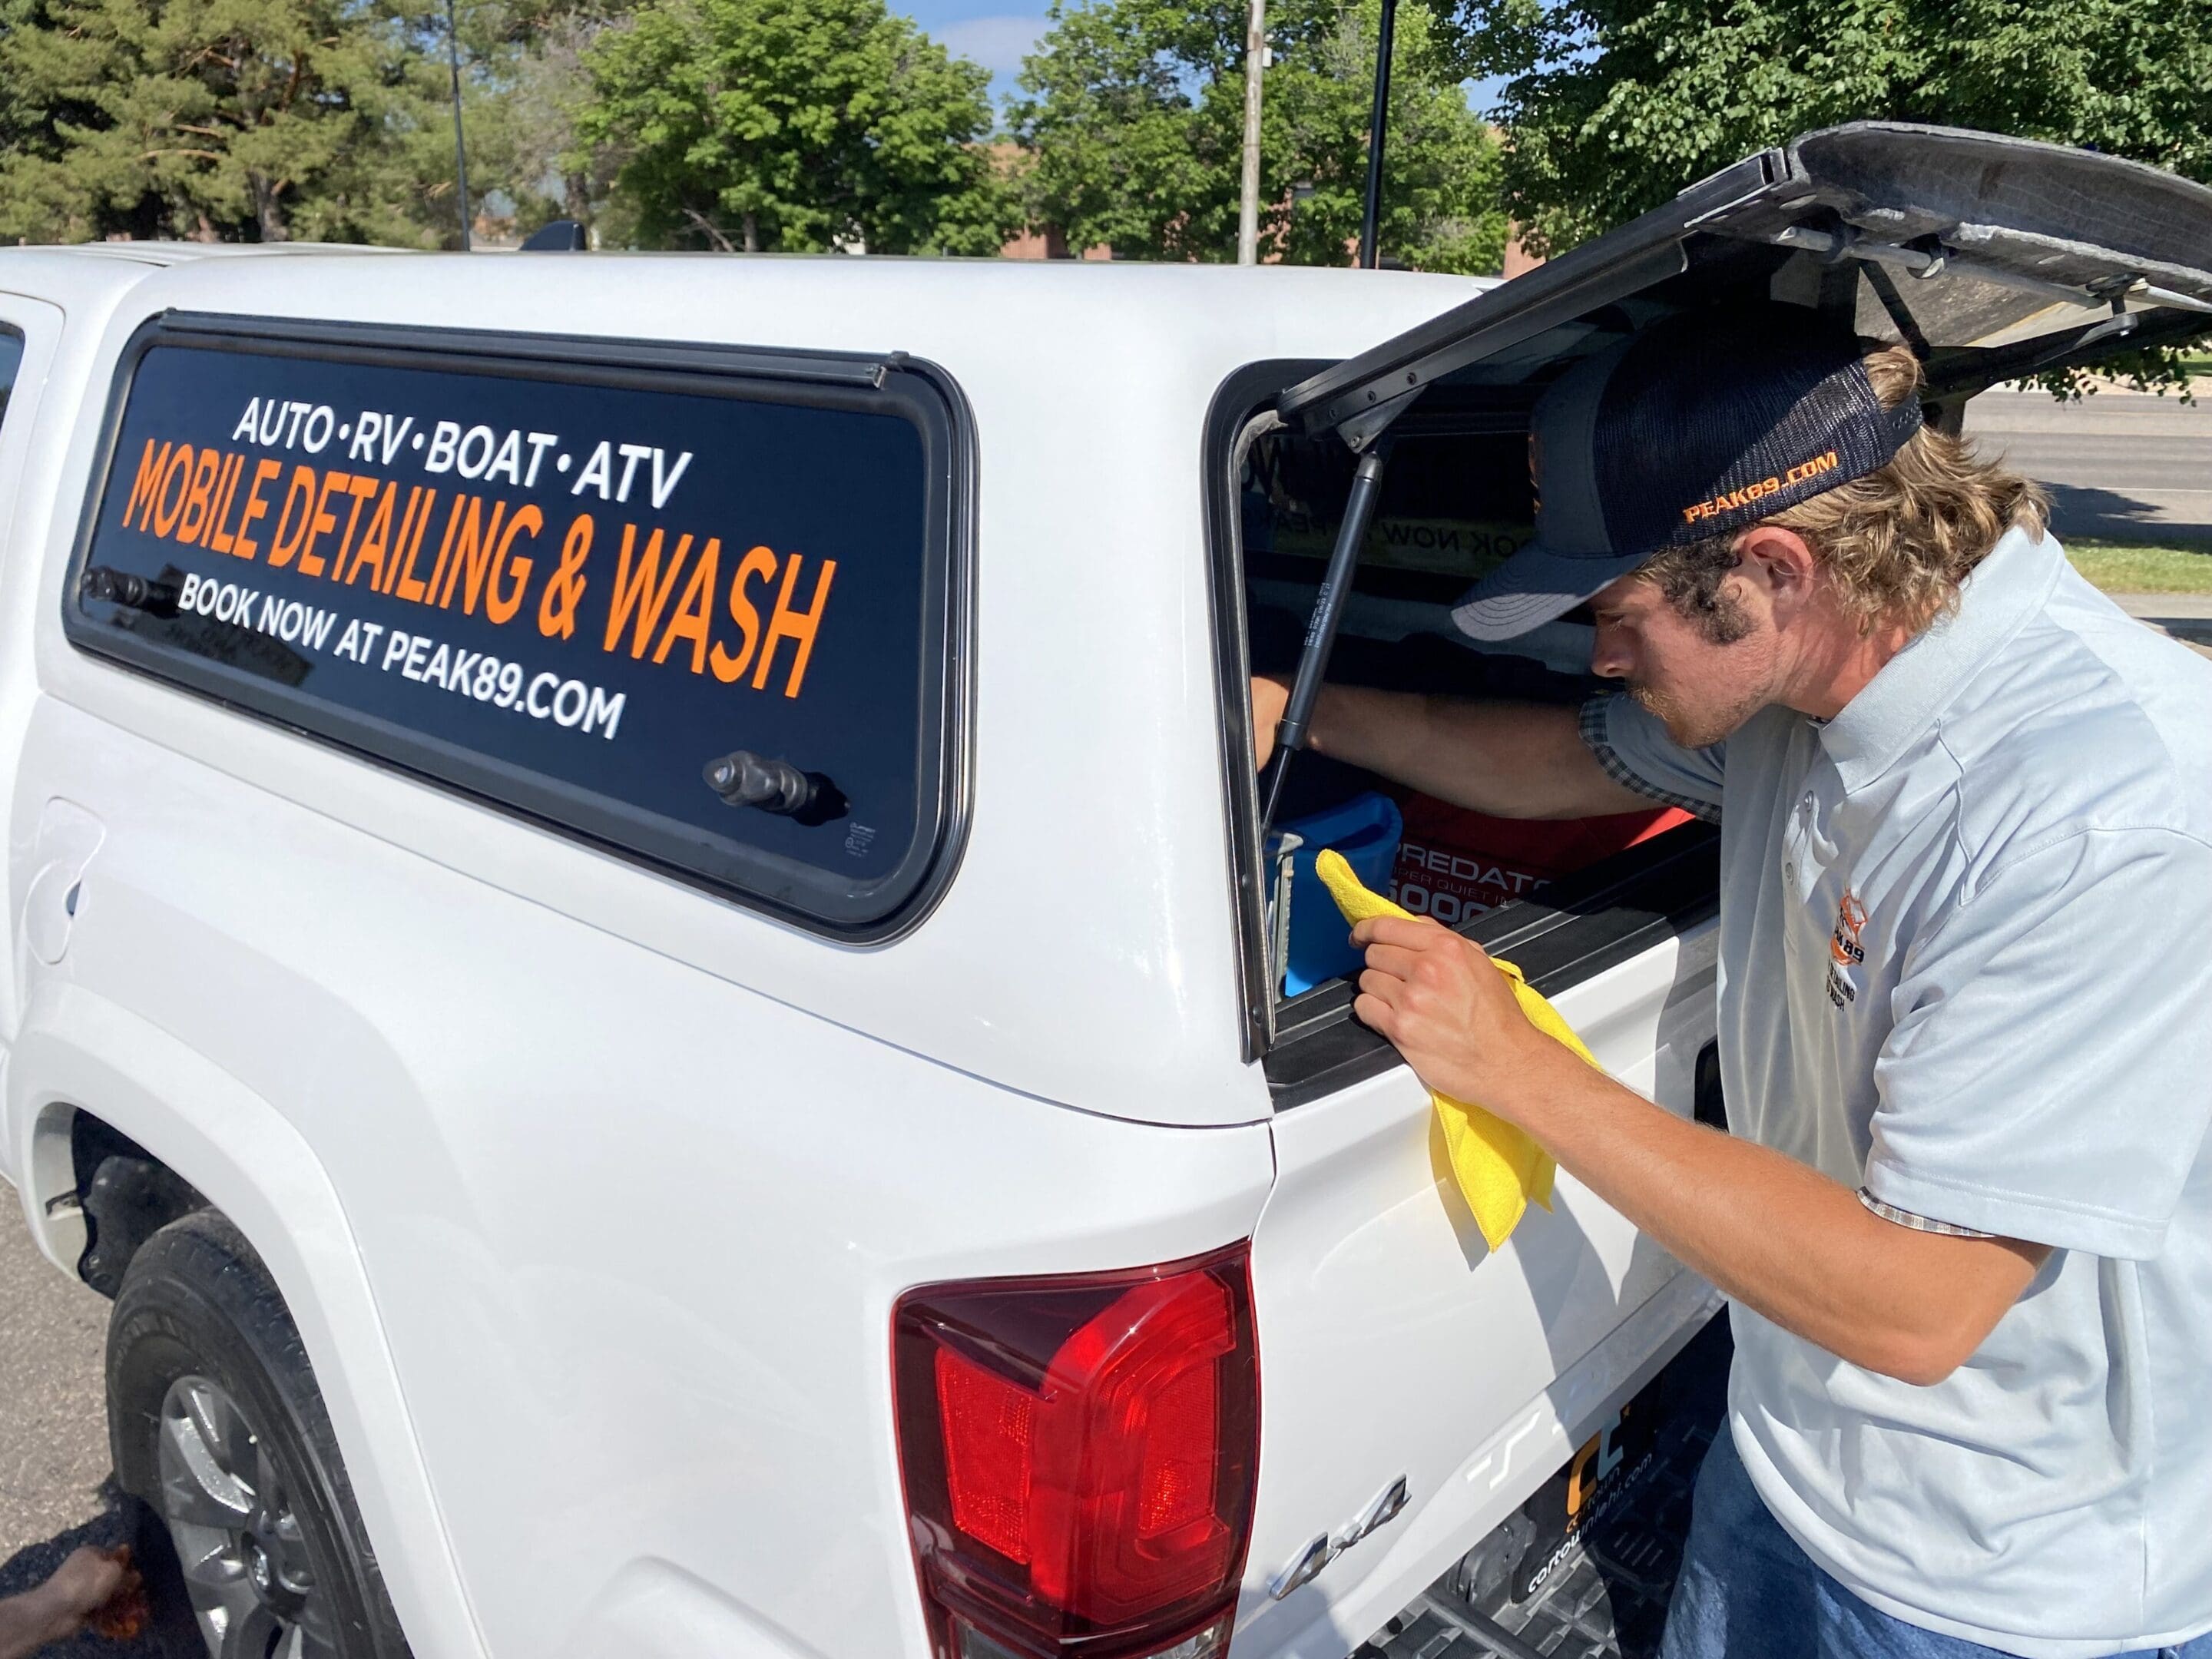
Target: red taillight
{"points": [[987, 1424], [1079, 1456]]}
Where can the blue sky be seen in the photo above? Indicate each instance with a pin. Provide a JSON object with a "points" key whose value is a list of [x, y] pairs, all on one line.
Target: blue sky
{"points": [[998, 33]]}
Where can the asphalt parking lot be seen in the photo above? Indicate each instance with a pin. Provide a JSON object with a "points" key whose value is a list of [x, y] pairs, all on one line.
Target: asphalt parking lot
{"points": [[53, 1440], [2121, 467]]}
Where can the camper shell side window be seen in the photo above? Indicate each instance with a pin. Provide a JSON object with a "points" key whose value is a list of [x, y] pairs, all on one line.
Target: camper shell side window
{"points": [[700, 607]]}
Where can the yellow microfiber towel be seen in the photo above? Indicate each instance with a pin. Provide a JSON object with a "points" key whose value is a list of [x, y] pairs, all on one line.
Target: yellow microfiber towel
{"points": [[1499, 1167]]}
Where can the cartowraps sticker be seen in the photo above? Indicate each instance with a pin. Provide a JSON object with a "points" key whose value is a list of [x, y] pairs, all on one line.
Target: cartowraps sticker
{"points": [[565, 587]]}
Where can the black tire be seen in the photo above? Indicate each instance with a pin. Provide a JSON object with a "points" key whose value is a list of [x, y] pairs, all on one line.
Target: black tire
{"points": [[197, 1308]]}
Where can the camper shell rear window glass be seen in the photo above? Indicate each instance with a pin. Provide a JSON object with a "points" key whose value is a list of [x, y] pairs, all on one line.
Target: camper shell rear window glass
{"points": [[568, 577], [1564, 899]]}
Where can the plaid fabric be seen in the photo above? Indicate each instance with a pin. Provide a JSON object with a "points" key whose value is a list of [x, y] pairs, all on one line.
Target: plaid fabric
{"points": [[1919, 1223], [1594, 739]]}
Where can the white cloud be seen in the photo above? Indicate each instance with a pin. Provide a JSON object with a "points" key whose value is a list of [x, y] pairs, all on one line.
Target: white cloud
{"points": [[999, 44]]}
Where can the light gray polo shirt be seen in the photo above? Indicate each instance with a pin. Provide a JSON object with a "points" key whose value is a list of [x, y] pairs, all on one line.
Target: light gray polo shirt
{"points": [[1965, 966]]}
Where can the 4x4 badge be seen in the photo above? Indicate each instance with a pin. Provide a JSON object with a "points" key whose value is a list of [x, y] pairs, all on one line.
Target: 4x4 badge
{"points": [[1314, 1556]]}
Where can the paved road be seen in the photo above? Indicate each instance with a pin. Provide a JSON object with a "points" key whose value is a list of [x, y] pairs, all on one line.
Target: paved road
{"points": [[2121, 465], [53, 1432], [53, 1444]]}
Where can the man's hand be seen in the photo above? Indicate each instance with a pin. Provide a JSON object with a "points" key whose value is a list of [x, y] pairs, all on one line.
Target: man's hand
{"points": [[57, 1609], [1795, 1245], [1269, 698], [1449, 1011]]}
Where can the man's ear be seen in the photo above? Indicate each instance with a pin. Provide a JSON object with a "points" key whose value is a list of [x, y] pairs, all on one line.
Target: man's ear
{"points": [[1782, 563]]}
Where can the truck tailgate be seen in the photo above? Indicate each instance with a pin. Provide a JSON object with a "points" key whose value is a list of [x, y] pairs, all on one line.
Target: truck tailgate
{"points": [[1394, 1346]]}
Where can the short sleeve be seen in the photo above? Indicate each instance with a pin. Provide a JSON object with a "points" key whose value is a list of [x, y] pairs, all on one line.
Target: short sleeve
{"points": [[1632, 745], [2049, 1074]]}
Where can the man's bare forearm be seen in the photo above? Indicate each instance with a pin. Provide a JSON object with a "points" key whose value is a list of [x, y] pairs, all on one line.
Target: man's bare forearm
{"points": [[1779, 1235], [1515, 760], [31, 1621]]}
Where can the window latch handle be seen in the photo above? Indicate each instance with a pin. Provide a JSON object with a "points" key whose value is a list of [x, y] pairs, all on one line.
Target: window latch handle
{"points": [[742, 778], [125, 587]]}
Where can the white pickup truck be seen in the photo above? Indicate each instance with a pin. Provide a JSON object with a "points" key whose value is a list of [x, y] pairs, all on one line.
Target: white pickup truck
{"points": [[643, 952]]}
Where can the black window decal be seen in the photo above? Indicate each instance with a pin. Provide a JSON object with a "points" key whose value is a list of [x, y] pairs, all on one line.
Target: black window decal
{"points": [[703, 607]]}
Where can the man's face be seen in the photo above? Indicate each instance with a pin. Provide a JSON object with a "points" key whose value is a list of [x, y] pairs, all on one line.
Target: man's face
{"points": [[1701, 691]]}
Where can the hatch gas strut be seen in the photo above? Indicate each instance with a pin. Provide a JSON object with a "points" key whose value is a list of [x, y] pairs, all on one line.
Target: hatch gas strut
{"points": [[1328, 614]]}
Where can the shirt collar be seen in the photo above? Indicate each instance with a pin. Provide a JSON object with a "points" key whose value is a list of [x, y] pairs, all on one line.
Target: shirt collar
{"points": [[1918, 684]]}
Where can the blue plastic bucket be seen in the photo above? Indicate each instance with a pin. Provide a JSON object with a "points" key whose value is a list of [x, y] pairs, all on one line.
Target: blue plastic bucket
{"points": [[1365, 830]]}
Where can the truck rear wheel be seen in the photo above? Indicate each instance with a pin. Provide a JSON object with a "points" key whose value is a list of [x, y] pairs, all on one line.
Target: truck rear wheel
{"points": [[216, 1421]]}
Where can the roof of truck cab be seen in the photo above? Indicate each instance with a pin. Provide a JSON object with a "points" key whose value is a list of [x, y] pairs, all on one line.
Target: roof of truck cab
{"points": [[87, 276], [1066, 310], [172, 253]]}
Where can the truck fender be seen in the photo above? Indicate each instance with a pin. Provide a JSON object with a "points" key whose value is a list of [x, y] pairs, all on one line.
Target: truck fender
{"points": [[78, 1050]]}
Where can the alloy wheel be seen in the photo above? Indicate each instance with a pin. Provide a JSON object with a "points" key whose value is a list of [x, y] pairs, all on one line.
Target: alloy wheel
{"points": [[236, 1532]]}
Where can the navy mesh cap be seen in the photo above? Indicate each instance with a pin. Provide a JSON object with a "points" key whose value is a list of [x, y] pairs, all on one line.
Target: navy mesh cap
{"points": [[1696, 427]]}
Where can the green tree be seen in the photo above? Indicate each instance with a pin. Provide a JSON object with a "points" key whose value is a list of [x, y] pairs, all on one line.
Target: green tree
{"points": [[1615, 105], [1132, 121], [30, 115], [529, 135], [527, 93], [263, 120], [794, 124]]}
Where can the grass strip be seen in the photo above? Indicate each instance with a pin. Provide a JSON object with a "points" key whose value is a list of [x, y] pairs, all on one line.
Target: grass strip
{"points": [[2127, 567]]}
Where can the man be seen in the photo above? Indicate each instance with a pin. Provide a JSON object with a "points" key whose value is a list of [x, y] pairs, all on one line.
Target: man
{"points": [[1964, 1222]]}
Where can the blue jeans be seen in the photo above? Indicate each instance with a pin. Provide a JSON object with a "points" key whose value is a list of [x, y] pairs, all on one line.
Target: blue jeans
{"points": [[1747, 1591]]}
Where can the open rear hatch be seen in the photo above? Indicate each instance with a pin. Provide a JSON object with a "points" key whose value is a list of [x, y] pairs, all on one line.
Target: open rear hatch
{"points": [[1419, 1387], [1994, 256]]}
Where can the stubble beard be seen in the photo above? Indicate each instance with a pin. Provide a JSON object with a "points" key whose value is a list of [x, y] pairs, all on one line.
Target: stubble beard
{"points": [[1698, 728]]}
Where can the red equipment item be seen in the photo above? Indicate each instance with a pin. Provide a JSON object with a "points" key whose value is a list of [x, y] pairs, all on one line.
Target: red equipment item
{"points": [[1454, 863]]}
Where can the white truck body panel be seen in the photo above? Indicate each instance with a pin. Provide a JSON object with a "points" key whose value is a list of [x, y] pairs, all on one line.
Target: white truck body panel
{"points": [[1396, 1343], [591, 1194]]}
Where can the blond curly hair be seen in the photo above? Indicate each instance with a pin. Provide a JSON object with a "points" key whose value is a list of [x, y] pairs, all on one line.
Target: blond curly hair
{"points": [[1896, 542]]}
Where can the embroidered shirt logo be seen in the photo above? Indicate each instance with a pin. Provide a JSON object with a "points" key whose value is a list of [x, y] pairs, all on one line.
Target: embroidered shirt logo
{"points": [[1844, 951]]}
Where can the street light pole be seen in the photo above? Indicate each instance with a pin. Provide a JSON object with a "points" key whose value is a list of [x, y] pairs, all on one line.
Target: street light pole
{"points": [[1255, 61], [460, 149], [1378, 124]]}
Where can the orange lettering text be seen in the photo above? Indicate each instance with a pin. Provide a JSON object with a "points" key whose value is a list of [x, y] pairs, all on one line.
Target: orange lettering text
{"points": [[244, 546], [334, 483], [146, 486], [641, 593], [694, 610], [472, 551], [199, 505], [759, 561], [375, 538], [500, 607], [221, 540], [292, 522], [179, 473], [797, 626], [403, 583]]}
